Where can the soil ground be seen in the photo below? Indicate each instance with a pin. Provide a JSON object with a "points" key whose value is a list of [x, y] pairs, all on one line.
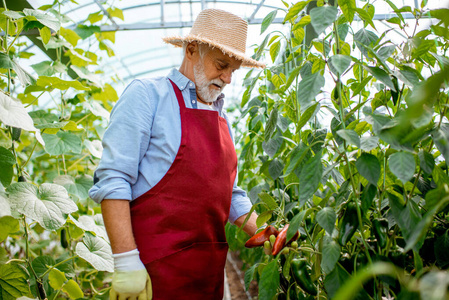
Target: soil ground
{"points": [[236, 279]]}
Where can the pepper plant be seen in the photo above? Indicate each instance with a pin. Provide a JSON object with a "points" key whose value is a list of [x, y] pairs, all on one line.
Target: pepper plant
{"points": [[346, 139], [53, 244]]}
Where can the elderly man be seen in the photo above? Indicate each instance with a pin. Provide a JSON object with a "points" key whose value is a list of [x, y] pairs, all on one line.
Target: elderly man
{"points": [[168, 149]]}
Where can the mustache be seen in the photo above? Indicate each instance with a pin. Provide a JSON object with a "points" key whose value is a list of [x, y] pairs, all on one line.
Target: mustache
{"points": [[218, 82]]}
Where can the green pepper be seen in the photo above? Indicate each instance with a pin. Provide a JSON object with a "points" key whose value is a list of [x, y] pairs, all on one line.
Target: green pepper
{"points": [[16, 133], [302, 276], [348, 225], [380, 228]]}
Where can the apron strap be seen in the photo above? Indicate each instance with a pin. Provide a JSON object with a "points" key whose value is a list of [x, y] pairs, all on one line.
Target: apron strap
{"points": [[178, 93]]}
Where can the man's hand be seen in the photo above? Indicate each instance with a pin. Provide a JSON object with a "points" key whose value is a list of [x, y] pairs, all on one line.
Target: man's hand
{"points": [[130, 279]]}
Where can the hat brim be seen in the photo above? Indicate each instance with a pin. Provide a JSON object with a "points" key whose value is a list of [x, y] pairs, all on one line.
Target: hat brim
{"points": [[246, 61]]}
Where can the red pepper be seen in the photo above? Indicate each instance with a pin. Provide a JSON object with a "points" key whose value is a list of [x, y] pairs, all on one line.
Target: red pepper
{"points": [[281, 240], [260, 238]]}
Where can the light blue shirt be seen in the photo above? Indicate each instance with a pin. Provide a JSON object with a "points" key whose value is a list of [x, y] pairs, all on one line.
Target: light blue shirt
{"points": [[143, 138]]}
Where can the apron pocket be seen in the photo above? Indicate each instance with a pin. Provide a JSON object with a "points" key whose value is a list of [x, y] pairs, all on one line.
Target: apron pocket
{"points": [[194, 272]]}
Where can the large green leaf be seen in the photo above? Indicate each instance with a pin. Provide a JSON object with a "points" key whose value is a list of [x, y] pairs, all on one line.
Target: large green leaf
{"points": [[406, 216], [434, 285], [322, 17], [275, 168], [61, 143], [309, 113], [43, 18], [12, 113], [94, 224], [294, 224], [8, 225], [268, 200], [369, 167], [56, 279], [97, 252], [441, 253], [13, 282], [363, 38], [426, 161], [331, 254], [402, 164], [339, 63], [5, 61], [350, 136], [57, 83], [326, 217], [310, 178], [309, 86], [47, 204], [78, 186], [73, 289], [269, 281]]}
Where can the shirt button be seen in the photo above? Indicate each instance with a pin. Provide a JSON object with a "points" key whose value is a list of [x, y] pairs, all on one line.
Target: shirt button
{"points": [[191, 84], [193, 101], [182, 86]]}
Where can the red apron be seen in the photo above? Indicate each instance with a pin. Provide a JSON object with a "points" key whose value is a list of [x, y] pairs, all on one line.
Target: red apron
{"points": [[179, 224]]}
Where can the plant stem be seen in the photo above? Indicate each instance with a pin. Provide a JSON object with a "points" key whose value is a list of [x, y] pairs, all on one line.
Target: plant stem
{"points": [[56, 265]]}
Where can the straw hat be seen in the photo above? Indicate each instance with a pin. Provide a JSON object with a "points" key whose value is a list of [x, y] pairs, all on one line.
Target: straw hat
{"points": [[219, 29]]}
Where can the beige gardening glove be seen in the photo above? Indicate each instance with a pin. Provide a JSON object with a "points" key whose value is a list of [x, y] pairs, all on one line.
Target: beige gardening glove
{"points": [[130, 280]]}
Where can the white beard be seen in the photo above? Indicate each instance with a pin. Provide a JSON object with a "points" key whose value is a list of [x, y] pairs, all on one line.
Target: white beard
{"points": [[203, 84]]}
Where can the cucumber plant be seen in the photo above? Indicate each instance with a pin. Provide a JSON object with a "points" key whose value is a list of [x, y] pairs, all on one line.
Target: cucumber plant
{"points": [[53, 244]]}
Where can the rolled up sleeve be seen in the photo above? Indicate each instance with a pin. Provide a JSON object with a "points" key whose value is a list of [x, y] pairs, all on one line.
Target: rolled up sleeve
{"points": [[124, 144]]}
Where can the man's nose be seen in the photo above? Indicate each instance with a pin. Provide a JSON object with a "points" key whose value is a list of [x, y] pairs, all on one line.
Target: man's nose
{"points": [[226, 76]]}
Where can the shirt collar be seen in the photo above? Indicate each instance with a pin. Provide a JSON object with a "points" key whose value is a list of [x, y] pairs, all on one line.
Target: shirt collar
{"points": [[182, 82]]}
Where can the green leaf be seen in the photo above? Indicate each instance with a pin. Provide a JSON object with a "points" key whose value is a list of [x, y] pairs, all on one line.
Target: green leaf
{"points": [[426, 161], [275, 168], [350, 136], [339, 63], [297, 156], [95, 17], [5, 61], [294, 224], [309, 113], [269, 281], [294, 10], [402, 164], [61, 143], [310, 86], [335, 279], [78, 186], [249, 275], [326, 217], [42, 263], [12, 113], [116, 12], [45, 34], [348, 8], [274, 50], [13, 282], [8, 225], [46, 205], [369, 167], [84, 31], [331, 254], [5, 208], [441, 140], [365, 37], [48, 68], [263, 218], [97, 252], [7, 162], [270, 128], [57, 83], [368, 194], [73, 289], [268, 200], [56, 279], [322, 17], [94, 224], [365, 16], [434, 285], [70, 36], [406, 216], [43, 18], [381, 75], [268, 20], [310, 178], [420, 229], [368, 143]]}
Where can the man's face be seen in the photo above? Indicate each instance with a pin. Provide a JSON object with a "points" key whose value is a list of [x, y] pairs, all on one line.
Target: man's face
{"points": [[212, 73]]}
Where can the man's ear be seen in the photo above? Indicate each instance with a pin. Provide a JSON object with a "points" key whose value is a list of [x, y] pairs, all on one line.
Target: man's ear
{"points": [[192, 51]]}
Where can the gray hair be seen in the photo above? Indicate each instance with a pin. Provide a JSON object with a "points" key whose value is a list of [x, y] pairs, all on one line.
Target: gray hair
{"points": [[203, 48]]}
